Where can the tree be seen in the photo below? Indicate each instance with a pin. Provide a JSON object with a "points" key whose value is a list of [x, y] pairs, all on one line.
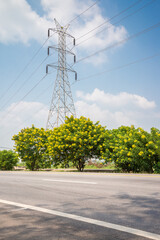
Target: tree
{"points": [[131, 149], [8, 159], [77, 140], [31, 146]]}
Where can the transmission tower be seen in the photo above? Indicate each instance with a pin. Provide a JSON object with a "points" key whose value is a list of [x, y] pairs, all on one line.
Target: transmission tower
{"points": [[62, 104]]}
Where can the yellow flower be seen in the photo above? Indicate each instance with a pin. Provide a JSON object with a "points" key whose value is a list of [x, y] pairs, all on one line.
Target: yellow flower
{"points": [[140, 153], [143, 136]]}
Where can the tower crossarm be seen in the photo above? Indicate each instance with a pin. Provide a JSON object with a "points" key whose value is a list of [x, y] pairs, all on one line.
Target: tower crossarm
{"points": [[60, 31], [61, 50], [61, 69]]}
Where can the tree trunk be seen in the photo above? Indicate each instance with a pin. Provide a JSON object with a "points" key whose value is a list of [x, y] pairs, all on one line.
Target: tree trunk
{"points": [[81, 164]]}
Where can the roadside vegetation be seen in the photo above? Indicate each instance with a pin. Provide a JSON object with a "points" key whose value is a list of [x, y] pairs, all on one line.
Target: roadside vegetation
{"points": [[100, 165], [76, 142], [8, 159]]}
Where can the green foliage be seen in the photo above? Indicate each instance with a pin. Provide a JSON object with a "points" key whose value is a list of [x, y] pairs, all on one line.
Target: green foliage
{"points": [[155, 136], [8, 159], [76, 140], [31, 146], [131, 149], [157, 167]]}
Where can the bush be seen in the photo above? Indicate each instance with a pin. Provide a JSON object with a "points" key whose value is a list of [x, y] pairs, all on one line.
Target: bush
{"points": [[157, 168], [8, 159]]}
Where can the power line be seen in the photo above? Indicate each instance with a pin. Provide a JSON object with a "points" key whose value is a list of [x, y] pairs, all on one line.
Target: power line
{"points": [[119, 67], [33, 87], [23, 70], [122, 41], [108, 20], [83, 12], [25, 96], [26, 81], [129, 15], [45, 90]]}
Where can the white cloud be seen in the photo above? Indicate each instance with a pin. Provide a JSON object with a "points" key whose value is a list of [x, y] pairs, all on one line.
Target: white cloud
{"points": [[55, 9], [116, 110], [16, 117], [116, 101], [20, 23], [99, 107]]}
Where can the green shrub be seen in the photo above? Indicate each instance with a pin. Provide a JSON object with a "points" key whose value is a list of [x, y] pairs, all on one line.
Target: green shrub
{"points": [[8, 159], [157, 168]]}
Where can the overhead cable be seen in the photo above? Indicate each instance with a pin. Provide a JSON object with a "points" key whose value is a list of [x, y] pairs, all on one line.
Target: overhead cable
{"points": [[108, 20], [115, 23], [23, 70], [83, 12], [122, 41], [25, 96], [26, 81], [118, 67]]}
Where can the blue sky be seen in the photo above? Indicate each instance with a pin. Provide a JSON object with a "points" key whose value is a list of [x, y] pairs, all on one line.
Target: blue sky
{"points": [[118, 93]]}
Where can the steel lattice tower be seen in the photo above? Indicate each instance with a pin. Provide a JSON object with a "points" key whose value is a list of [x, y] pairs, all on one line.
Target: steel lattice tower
{"points": [[62, 104]]}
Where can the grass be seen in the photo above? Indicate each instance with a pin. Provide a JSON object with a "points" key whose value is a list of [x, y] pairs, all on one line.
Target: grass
{"points": [[95, 167], [99, 165], [89, 165]]}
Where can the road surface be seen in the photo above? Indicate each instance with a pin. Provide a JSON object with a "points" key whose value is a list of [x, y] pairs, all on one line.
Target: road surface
{"points": [[51, 205]]}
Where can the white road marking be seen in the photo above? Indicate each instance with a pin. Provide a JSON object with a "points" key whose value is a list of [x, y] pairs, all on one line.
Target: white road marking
{"points": [[86, 220], [68, 181], [19, 209]]}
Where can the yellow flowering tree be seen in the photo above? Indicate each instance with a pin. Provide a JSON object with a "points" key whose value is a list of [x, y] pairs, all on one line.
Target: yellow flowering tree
{"points": [[31, 146], [131, 149], [77, 140]]}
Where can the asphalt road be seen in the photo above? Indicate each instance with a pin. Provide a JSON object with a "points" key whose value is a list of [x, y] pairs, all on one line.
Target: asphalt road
{"points": [[60, 206]]}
